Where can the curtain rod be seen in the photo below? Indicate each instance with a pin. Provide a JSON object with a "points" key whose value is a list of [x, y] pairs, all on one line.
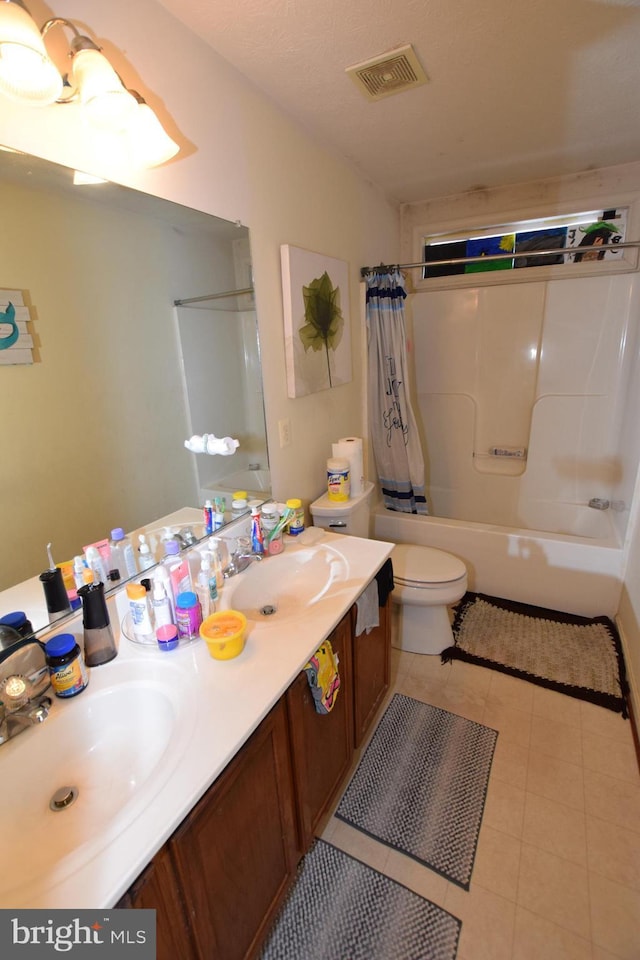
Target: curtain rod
{"points": [[212, 296], [386, 267]]}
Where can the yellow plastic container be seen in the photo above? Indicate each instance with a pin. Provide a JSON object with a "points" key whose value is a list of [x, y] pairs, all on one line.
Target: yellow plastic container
{"points": [[224, 633]]}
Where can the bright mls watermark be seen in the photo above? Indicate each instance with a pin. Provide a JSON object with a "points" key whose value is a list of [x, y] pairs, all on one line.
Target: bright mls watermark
{"points": [[79, 934]]}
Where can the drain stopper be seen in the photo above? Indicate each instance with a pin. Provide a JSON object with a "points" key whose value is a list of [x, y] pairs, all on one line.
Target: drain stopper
{"points": [[63, 798]]}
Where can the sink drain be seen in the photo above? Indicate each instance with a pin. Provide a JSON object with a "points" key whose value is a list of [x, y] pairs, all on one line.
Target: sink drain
{"points": [[63, 798], [268, 610]]}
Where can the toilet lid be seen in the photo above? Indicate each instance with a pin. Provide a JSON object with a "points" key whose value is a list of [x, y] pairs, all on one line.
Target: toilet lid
{"points": [[415, 565]]}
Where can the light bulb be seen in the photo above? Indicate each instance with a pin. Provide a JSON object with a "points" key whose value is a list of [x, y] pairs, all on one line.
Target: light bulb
{"points": [[27, 74], [106, 102], [149, 143]]}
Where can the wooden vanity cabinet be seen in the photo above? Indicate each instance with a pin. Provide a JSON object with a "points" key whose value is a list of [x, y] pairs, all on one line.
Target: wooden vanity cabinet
{"points": [[236, 853], [371, 671], [221, 878], [321, 744], [157, 889]]}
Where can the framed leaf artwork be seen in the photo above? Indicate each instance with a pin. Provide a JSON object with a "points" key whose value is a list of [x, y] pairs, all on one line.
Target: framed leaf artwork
{"points": [[317, 329]]}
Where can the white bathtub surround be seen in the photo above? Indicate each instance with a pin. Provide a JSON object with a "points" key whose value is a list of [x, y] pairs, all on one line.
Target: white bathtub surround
{"points": [[575, 574], [541, 368]]}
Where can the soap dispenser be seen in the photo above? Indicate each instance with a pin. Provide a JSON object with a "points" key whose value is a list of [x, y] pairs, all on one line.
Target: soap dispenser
{"points": [[99, 642]]}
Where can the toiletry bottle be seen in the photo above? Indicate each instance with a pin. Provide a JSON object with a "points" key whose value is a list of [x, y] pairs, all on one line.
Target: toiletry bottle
{"points": [[55, 595], [96, 565], [296, 523], [19, 622], [239, 504], [145, 557], [162, 597], [139, 610], [270, 517], [121, 543], [257, 541], [212, 581], [216, 562], [179, 571], [202, 587], [79, 572], [188, 615], [208, 518], [99, 642], [219, 507], [167, 637], [67, 670]]}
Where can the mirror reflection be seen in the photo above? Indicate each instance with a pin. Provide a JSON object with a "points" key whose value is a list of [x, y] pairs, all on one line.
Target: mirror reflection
{"points": [[94, 428]]}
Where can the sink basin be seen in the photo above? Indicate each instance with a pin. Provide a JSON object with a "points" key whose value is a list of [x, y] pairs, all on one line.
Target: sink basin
{"points": [[286, 586], [115, 744]]}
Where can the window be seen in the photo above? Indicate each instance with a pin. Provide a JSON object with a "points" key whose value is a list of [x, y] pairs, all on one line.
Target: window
{"points": [[517, 246]]}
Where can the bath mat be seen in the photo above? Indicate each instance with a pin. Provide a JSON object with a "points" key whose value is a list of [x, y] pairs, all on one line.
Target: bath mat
{"points": [[341, 909], [421, 784], [579, 656]]}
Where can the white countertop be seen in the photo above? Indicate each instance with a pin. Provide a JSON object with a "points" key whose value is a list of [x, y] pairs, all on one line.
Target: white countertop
{"points": [[225, 702]]}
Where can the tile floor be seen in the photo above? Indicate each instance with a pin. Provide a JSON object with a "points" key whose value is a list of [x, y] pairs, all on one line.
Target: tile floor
{"points": [[557, 869]]}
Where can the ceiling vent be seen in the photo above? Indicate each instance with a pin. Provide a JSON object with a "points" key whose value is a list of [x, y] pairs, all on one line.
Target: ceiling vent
{"points": [[393, 72]]}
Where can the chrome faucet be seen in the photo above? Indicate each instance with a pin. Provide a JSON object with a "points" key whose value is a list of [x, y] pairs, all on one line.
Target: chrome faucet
{"points": [[24, 678], [14, 722], [240, 559]]}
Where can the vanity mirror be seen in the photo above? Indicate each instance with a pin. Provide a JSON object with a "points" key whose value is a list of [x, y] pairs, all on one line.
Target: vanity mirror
{"points": [[94, 429]]}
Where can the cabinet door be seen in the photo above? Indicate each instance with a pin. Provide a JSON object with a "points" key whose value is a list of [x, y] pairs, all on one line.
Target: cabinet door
{"points": [[156, 889], [322, 743], [371, 672], [236, 852]]}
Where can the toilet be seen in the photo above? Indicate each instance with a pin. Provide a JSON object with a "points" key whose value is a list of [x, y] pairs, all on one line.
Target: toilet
{"points": [[426, 580]]}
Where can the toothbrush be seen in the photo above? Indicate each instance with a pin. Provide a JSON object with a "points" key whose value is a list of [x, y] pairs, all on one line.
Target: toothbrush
{"points": [[52, 565], [280, 525]]}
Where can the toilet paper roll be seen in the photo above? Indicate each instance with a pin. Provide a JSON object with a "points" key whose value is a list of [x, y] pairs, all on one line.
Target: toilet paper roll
{"points": [[350, 448]]}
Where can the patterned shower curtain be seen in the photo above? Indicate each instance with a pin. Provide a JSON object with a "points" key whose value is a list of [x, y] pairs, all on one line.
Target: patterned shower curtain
{"points": [[396, 444]]}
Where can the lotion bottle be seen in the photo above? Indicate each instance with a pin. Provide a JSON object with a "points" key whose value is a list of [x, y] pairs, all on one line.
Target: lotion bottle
{"points": [[145, 557]]}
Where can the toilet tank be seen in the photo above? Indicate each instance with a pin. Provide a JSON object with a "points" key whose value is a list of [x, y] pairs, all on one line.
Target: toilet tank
{"points": [[348, 516]]}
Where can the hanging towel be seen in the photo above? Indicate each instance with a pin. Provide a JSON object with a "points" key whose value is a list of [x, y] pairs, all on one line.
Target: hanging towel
{"points": [[384, 579], [324, 679], [368, 613]]}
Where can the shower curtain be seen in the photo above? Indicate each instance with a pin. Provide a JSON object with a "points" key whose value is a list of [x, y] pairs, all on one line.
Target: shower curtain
{"points": [[396, 444]]}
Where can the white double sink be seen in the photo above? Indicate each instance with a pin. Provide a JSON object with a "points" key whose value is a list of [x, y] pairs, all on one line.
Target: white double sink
{"points": [[137, 748]]}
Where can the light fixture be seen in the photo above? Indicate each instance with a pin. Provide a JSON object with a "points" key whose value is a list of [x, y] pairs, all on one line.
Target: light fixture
{"points": [[29, 76], [149, 143], [27, 73]]}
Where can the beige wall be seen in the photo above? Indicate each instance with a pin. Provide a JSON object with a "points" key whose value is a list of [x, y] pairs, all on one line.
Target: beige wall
{"points": [[247, 162]]}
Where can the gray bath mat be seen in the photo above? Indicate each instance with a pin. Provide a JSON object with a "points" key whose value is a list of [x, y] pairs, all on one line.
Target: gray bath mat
{"points": [[421, 784], [579, 656], [340, 909]]}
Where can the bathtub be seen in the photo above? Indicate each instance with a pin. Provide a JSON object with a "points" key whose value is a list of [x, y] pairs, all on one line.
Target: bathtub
{"points": [[257, 483], [579, 574]]}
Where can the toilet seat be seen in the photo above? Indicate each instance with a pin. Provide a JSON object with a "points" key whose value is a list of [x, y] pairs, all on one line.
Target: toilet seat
{"points": [[420, 567]]}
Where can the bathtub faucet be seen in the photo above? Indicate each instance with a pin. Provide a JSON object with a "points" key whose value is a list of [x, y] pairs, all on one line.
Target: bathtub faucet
{"points": [[598, 504]]}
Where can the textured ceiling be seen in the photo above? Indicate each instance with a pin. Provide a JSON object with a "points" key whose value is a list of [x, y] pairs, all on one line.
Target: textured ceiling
{"points": [[518, 89]]}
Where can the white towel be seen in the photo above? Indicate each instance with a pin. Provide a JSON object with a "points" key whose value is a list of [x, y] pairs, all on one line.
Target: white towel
{"points": [[207, 443], [368, 612]]}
